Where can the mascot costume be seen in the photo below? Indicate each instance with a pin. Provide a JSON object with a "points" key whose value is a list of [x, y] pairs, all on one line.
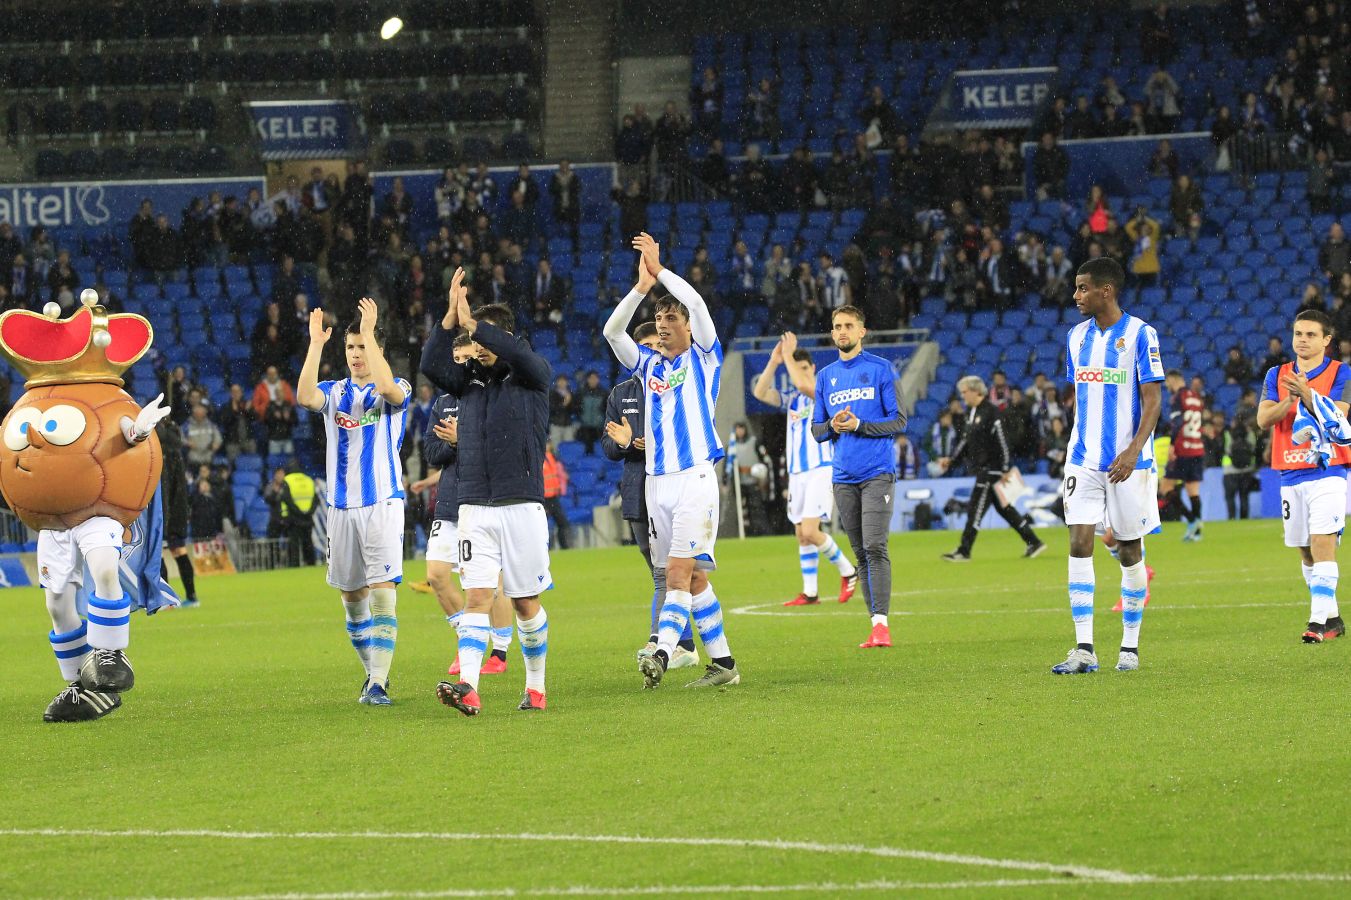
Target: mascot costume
{"points": [[79, 463]]}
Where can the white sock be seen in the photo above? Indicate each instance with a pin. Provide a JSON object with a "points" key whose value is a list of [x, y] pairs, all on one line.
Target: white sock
{"points": [[534, 648], [807, 560], [1134, 582], [359, 629], [71, 648], [880, 620], [831, 551], [454, 619], [502, 638], [474, 635], [1081, 598], [384, 634], [109, 623], [675, 613], [1307, 570], [1323, 592], [708, 621]]}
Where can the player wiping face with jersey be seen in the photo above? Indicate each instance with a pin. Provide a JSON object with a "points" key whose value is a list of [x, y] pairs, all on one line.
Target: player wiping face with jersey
{"points": [[680, 390]]}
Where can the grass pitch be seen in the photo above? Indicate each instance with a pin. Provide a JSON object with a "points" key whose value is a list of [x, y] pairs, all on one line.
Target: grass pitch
{"points": [[953, 763]]}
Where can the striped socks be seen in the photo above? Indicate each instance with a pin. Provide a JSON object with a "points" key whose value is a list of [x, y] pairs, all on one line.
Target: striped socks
{"points": [[109, 623], [1081, 600], [1323, 592], [831, 551], [673, 620], [1134, 582], [534, 648], [807, 557], [384, 634], [70, 648], [708, 619], [475, 633], [359, 629]]}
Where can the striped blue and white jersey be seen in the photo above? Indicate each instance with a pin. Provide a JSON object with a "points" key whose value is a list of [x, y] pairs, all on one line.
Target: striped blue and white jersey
{"points": [[680, 396], [1107, 369], [364, 432], [804, 451], [833, 281]]}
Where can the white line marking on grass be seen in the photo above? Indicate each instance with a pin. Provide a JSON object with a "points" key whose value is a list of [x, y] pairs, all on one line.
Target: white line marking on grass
{"points": [[769, 609], [821, 887], [959, 859]]}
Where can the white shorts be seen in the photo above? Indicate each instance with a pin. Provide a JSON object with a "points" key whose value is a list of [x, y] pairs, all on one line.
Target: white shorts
{"points": [[810, 495], [443, 543], [365, 545], [61, 554], [1313, 507], [510, 541], [682, 514], [1130, 509]]}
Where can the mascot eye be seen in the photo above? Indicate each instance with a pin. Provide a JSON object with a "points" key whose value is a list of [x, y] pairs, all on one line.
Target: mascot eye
{"points": [[16, 432], [62, 425]]}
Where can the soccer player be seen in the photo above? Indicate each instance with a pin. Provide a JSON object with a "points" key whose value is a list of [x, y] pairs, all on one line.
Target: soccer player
{"points": [[443, 544], [1313, 498], [503, 531], [856, 410], [809, 469], [624, 440], [681, 389], [1187, 457], [365, 416], [1113, 361]]}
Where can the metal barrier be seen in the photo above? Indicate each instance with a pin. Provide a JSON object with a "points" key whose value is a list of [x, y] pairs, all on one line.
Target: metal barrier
{"points": [[257, 554], [13, 532]]}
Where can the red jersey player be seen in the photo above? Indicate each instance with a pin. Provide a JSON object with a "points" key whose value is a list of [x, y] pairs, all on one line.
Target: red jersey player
{"points": [[1186, 460]]}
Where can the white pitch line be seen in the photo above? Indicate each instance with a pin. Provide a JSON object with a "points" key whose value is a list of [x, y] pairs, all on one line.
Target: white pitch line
{"points": [[820, 887], [773, 609], [958, 859]]}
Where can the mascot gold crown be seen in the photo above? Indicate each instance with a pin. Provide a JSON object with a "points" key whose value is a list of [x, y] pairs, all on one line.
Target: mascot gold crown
{"points": [[63, 457]]}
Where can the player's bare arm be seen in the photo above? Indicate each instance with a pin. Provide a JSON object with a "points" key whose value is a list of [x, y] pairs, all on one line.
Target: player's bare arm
{"points": [[763, 389], [308, 394], [798, 372], [1151, 400], [385, 383], [616, 328], [452, 317]]}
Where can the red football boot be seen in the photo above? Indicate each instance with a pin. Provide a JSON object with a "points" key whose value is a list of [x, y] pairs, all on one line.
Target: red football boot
{"points": [[533, 699], [493, 666], [801, 600], [847, 587], [880, 637], [454, 667], [460, 696], [1149, 576]]}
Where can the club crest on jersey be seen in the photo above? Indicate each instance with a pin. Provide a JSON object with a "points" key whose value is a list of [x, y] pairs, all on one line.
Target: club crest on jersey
{"points": [[1120, 344], [1099, 375], [675, 380], [349, 422]]}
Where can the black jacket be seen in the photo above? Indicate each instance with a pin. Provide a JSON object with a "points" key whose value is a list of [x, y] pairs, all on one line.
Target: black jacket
{"points": [[436, 452], [983, 446], [504, 415], [626, 402]]}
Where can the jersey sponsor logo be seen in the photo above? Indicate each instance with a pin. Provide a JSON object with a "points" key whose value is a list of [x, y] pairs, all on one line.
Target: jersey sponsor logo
{"points": [[675, 380], [797, 415], [1296, 456], [1098, 375], [345, 421], [849, 395]]}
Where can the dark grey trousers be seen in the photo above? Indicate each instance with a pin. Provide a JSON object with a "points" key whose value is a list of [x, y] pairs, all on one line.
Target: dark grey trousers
{"points": [[865, 516]]}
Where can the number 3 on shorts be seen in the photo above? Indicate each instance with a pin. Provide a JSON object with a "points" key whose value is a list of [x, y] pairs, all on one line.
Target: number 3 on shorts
{"points": [[1070, 484], [466, 551], [1285, 510]]}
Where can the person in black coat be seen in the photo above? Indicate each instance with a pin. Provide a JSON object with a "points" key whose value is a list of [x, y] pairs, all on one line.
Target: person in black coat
{"points": [[624, 440], [985, 450], [502, 429]]}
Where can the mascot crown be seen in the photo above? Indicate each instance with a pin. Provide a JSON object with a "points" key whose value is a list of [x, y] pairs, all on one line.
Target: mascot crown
{"points": [[90, 346]]}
